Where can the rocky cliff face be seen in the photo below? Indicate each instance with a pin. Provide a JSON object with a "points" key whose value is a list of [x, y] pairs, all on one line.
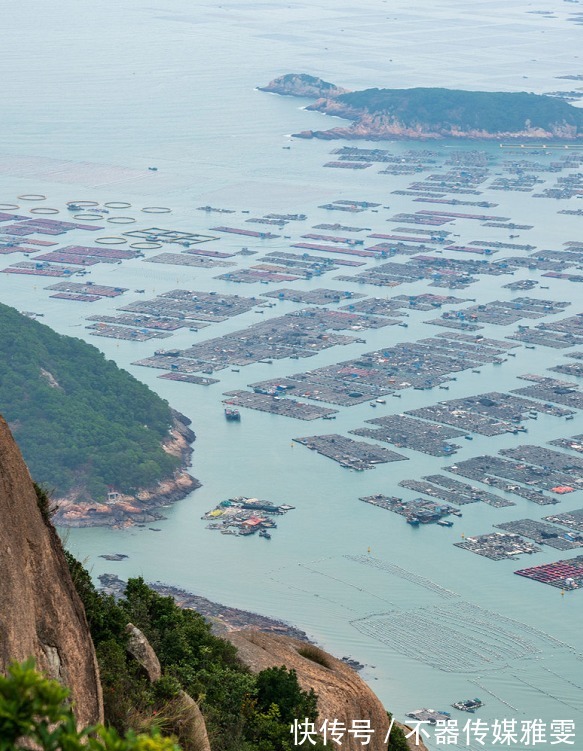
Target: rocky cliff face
{"points": [[40, 612], [378, 127], [342, 694]]}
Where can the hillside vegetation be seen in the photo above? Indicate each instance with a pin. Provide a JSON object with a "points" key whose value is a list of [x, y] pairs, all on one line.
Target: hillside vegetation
{"points": [[242, 711], [79, 420], [466, 110]]}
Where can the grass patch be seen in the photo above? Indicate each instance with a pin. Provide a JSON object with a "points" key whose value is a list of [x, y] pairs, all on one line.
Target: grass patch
{"points": [[310, 652]]}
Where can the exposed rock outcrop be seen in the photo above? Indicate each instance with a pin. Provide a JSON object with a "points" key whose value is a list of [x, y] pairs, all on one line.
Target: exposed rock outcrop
{"points": [[141, 650], [342, 694], [41, 614], [190, 726], [185, 716]]}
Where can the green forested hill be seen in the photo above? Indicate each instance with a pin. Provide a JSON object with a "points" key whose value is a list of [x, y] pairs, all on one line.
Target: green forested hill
{"points": [[490, 111], [78, 418]]}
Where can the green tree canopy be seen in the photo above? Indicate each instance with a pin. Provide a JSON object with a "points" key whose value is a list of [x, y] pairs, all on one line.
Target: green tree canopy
{"points": [[494, 112], [80, 421], [242, 711], [34, 710]]}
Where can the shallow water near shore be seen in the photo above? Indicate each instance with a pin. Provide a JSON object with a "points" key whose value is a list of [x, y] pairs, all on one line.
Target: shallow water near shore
{"points": [[91, 100]]}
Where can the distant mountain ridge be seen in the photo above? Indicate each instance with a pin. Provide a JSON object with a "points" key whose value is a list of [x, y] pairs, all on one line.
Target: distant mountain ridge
{"points": [[434, 113]]}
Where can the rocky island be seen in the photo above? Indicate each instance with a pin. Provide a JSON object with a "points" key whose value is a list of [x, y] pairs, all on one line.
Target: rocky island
{"points": [[433, 113], [109, 450]]}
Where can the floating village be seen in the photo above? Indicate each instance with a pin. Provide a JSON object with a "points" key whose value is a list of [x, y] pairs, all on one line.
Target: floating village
{"points": [[284, 288], [243, 516]]}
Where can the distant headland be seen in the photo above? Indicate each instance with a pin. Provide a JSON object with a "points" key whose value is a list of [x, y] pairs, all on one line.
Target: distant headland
{"points": [[433, 113]]}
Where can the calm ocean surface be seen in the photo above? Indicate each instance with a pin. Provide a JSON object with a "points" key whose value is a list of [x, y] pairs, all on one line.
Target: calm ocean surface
{"points": [[93, 94]]}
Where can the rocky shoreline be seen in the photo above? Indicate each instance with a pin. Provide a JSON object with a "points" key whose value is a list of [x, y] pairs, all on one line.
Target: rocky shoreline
{"points": [[384, 129], [222, 618], [142, 508], [397, 131]]}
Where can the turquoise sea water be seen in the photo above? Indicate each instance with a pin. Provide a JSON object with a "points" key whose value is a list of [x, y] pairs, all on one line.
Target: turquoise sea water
{"points": [[93, 94]]}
